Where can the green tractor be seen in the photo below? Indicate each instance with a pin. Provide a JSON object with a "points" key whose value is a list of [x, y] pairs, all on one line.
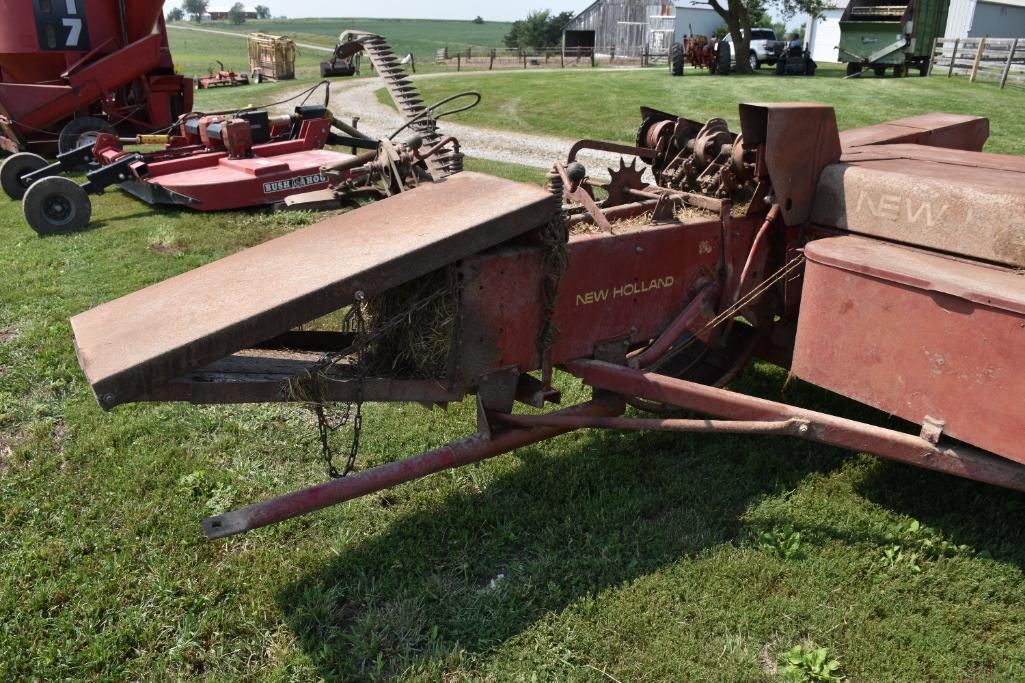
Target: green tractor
{"points": [[890, 38]]}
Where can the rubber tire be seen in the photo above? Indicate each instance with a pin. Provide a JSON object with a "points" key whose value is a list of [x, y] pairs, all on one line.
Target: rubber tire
{"points": [[853, 68], [39, 210], [752, 59], [723, 64], [676, 58], [900, 71], [14, 167], [880, 71], [76, 128]]}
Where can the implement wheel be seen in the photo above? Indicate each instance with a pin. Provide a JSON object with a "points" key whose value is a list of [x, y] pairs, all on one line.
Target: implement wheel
{"points": [[82, 131], [14, 168], [853, 68], [676, 57], [55, 204]]}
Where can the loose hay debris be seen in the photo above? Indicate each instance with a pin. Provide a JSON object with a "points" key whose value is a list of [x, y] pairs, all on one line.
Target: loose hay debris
{"points": [[419, 346]]}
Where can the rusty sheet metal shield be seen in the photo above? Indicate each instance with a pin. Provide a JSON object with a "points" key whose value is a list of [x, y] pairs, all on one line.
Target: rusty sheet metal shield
{"points": [[917, 335], [141, 341], [966, 203], [954, 131], [800, 140]]}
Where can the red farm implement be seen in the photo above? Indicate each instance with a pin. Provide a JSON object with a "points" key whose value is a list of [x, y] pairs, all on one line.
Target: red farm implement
{"points": [[72, 70], [880, 263], [222, 78]]}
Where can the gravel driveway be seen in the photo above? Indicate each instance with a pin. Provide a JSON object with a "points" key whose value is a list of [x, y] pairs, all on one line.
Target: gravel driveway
{"points": [[358, 98]]}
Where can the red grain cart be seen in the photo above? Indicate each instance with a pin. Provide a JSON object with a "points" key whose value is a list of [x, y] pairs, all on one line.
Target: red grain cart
{"points": [[72, 70]]}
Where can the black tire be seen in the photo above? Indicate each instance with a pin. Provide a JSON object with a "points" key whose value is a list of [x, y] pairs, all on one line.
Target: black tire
{"points": [[880, 71], [80, 131], [752, 59], [724, 58], [900, 71], [676, 57], [257, 77], [14, 167], [853, 68], [55, 204]]}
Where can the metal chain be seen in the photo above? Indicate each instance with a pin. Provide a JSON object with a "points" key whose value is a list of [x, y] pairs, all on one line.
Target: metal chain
{"points": [[356, 321]]}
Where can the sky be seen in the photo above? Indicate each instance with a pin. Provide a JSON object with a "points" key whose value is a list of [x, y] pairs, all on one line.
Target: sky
{"points": [[507, 10]]}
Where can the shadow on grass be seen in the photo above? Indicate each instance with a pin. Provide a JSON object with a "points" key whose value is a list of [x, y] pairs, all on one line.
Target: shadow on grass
{"points": [[585, 512]]}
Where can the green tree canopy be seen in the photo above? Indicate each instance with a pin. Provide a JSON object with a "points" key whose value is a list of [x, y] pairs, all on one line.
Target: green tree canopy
{"points": [[195, 9], [540, 29]]}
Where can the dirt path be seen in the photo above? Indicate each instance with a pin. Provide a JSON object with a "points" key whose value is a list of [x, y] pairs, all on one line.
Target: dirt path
{"points": [[359, 98]]}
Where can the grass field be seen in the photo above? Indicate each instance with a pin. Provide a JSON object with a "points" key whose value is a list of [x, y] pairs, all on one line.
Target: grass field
{"points": [[422, 37], [598, 556], [564, 103]]}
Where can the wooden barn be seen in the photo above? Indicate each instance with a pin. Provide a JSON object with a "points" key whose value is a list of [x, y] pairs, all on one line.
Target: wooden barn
{"points": [[627, 27]]}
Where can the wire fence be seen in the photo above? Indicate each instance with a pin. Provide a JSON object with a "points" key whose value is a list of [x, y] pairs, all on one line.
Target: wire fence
{"points": [[493, 59]]}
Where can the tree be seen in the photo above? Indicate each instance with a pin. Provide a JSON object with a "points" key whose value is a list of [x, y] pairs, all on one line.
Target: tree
{"points": [[195, 9], [237, 13], [478, 19], [539, 30], [262, 12], [176, 14], [741, 15]]}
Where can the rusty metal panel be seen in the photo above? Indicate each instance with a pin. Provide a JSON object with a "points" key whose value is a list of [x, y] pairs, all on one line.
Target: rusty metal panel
{"points": [[917, 335], [964, 203], [953, 131], [141, 341], [794, 168], [626, 285]]}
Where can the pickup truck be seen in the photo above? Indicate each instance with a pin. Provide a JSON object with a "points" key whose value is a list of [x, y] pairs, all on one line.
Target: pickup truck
{"points": [[765, 48]]}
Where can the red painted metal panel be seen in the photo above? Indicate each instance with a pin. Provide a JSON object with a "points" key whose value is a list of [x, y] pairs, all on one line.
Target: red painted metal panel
{"points": [[917, 334], [627, 285]]}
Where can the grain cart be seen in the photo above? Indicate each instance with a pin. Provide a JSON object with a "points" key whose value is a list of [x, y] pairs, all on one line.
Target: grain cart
{"points": [[884, 35], [72, 69], [881, 263]]}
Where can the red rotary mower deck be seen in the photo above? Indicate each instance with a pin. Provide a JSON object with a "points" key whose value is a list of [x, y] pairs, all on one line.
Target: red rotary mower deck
{"points": [[209, 163]]}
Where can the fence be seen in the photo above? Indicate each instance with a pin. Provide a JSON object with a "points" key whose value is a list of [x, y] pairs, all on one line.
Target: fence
{"points": [[478, 59], [1000, 59]]}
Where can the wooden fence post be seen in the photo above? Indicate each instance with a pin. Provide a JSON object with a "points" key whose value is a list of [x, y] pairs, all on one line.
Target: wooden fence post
{"points": [[459, 61], [524, 60], [612, 54], [491, 66], [932, 59], [1007, 64], [953, 57], [592, 57], [562, 57], [644, 59], [978, 57], [412, 62]]}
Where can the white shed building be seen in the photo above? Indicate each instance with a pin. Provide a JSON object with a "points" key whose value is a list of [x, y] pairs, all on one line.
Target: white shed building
{"points": [[823, 34], [986, 19]]}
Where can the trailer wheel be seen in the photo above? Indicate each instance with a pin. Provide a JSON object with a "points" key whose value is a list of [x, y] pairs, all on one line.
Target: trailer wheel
{"points": [[55, 204], [82, 131], [853, 68], [900, 71], [880, 71], [14, 168], [676, 59]]}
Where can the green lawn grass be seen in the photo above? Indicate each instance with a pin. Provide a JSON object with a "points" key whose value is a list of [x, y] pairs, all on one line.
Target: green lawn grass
{"points": [[596, 556], [604, 104]]}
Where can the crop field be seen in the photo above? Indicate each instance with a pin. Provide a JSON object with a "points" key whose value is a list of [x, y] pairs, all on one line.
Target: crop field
{"points": [[422, 37], [597, 556]]}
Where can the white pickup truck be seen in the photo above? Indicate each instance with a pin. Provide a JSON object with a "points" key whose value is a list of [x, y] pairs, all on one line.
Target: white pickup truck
{"points": [[765, 47]]}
